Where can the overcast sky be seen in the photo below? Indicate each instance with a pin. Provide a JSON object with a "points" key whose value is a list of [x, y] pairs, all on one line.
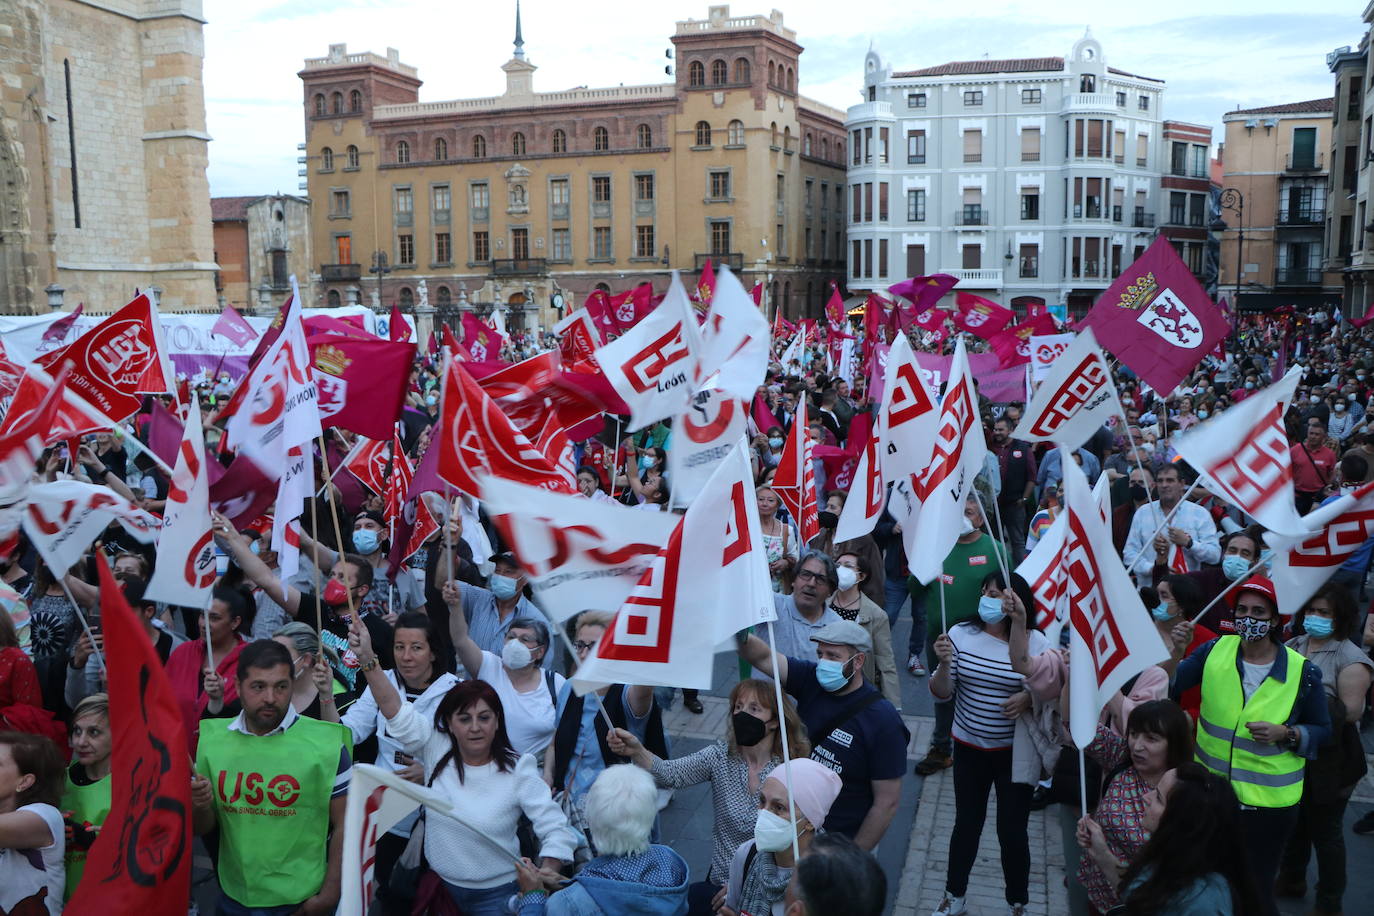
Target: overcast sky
{"points": [[1236, 55]]}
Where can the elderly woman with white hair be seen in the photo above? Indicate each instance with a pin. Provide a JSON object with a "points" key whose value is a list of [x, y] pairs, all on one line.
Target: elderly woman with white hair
{"points": [[630, 876]]}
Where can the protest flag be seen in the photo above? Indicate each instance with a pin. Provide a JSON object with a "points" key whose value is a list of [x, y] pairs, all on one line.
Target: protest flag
{"points": [[185, 570], [795, 477]]}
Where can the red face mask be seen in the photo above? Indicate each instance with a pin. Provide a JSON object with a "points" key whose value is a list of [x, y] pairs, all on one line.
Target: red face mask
{"points": [[335, 593]]}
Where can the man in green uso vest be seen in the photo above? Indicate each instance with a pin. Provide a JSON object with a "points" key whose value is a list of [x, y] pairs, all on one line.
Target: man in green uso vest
{"points": [[1263, 715], [274, 783]]}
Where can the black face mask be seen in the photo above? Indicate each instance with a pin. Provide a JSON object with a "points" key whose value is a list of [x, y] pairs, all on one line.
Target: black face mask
{"points": [[1139, 493], [828, 519], [749, 730]]}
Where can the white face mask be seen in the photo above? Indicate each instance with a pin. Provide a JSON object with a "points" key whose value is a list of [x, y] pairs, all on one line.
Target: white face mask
{"points": [[516, 655], [965, 526], [846, 576], [772, 833]]}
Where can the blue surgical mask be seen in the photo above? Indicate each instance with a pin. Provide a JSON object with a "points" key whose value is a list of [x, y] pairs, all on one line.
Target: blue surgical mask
{"points": [[646, 462], [990, 609], [503, 587], [256, 547], [1202, 414], [1317, 627], [1234, 566], [432, 399], [365, 541], [1160, 611], [831, 675], [775, 443]]}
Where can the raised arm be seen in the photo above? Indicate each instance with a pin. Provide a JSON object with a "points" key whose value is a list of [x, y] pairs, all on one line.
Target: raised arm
{"points": [[320, 555], [1018, 640], [384, 693], [254, 568], [761, 655], [469, 653]]}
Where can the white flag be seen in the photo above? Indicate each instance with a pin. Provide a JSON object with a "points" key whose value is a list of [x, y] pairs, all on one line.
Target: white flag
{"points": [[579, 554], [794, 357], [653, 366], [930, 505], [63, 518], [735, 339], [702, 437], [710, 581], [1045, 351], [1339, 529], [185, 570], [1044, 570], [908, 417], [847, 359], [377, 800], [1076, 398], [1243, 455], [867, 495], [1111, 635]]}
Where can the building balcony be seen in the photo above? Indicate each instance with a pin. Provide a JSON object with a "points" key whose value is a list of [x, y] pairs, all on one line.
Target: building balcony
{"points": [[1142, 220], [1303, 163], [868, 111], [977, 277], [971, 215], [511, 267], [1090, 101], [731, 259], [341, 273], [1298, 276], [1303, 217]]}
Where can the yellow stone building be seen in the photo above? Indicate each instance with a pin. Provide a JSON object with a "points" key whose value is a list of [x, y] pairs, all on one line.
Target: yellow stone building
{"points": [[103, 155], [531, 200]]}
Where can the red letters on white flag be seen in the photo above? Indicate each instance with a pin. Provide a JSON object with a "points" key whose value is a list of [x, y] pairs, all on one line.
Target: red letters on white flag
{"points": [[703, 436], [1044, 570], [1339, 528], [735, 340], [63, 518], [1243, 455], [1075, 399], [795, 477], [580, 554], [185, 570], [710, 581], [1112, 638], [653, 366]]}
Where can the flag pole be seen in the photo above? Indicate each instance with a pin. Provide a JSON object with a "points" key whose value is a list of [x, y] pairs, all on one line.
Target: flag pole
{"points": [[786, 749], [1225, 591], [448, 531], [1002, 556], [85, 624], [944, 623], [334, 513], [1082, 783], [563, 633], [314, 562], [209, 649]]}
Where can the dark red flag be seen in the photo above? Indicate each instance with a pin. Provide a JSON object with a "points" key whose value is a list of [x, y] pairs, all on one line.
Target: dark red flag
{"points": [[362, 381], [141, 862]]}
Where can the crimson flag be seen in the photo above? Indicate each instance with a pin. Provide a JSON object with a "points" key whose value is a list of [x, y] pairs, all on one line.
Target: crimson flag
{"points": [[361, 381], [598, 306], [1157, 319], [795, 478], [980, 317], [577, 342], [59, 328], [241, 492], [397, 327], [1364, 319], [629, 307], [74, 417], [924, 292], [705, 290], [233, 326], [10, 373], [367, 462], [141, 861]]}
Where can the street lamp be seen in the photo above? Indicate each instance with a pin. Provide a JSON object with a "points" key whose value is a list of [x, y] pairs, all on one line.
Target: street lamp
{"points": [[1232, 199], [380, 269]]}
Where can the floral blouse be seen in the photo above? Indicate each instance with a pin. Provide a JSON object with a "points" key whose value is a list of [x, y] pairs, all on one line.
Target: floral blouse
{"points": [[1119, 814]]}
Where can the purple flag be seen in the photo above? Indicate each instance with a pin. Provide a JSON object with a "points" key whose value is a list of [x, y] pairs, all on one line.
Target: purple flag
{"points": [[232, 326], [164, 433], [242, 493], [58, 329]]}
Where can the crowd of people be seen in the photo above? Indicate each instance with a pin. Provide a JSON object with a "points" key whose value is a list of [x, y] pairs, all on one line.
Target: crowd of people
{"points": [[1213, 777]]}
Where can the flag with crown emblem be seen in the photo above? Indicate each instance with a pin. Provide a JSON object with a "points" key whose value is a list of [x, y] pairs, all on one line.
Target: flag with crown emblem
{"points": [[704, 291], [482, 342], [361, 381], [1157, 319]]}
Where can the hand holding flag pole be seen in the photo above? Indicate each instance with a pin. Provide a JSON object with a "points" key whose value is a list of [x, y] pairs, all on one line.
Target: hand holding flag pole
{"points": [[1148, 545]]}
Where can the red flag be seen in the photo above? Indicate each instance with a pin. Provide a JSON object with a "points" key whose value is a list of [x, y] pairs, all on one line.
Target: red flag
{"points": [[74, 416], [116, 360], [398, 481], [795, 478], [451, 345], [1364, 319], [477, 439], [1035, 309], [757, 293], [1013, 344], [164, 433], [631, 306], [361, 381], [705, 290], [875, 317], [328, 324], [1157, 319], [599, 308], [577, 342], [842, 462], [242, 492], [762, 416], [924, 292], [397, 327], [481, 342], [141, 861], [367, 462], [10, 373], [59, 328], [980, 317], [22, 442], [232, 325]]}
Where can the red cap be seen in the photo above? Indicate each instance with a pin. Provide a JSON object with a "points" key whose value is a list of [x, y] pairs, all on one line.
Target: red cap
{"points": [[1260, 585]]}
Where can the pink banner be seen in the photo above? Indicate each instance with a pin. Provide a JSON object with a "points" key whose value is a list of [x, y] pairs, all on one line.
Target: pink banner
{"points": [[994, 383]]}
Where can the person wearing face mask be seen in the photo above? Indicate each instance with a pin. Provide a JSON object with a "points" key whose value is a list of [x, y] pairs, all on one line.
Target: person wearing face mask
{"points": [[528, 693], [865, 546], [949, 600], [1139, 491], [854, 731], [806, 610], [1342, 422], [1325, 626], [735, 767], [976, 672], [1239, 552], [387, 598], [490, 611], [1263, 715], [1350, 576], [849, 601], [762, 867], [1180, 598]]}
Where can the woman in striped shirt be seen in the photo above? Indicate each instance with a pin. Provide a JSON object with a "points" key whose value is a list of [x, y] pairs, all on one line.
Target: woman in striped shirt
{"points": [[975, 668]]}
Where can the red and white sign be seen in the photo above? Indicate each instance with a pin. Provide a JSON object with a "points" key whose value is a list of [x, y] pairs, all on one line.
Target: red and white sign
{"points": [[1044, 571], [1111, 636], [1244, 455], [867, 495], [1045, 349], [653, 366], [908, 416], [580, 554], [367, 461], [63, 518], [709, 581], [118, 359], [1340, 528], [185, 570], [1075, 399], [703, 436], [795, 477]]}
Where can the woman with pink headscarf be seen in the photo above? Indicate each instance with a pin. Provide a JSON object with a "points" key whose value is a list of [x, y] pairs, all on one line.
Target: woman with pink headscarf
{"points": [[762, 866]]}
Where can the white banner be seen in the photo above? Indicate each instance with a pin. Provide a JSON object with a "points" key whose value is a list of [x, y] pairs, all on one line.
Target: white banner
{"points": [[653, 366], [702, 436], [63, 518], [735, 340], [185, 570], [1340, 528], [1045, 349], [1075, 399]]}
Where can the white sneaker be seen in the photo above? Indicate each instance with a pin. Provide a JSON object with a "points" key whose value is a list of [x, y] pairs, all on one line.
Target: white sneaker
{"points": [[913, 665], [950, 906]]}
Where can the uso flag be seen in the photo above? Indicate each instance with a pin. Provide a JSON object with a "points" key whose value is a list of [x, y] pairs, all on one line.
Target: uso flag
{"points": [[141, 862], [1157, 319]]}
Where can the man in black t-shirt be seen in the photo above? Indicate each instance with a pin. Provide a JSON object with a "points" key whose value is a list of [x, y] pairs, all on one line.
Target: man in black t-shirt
{"points": [[853, 730]]}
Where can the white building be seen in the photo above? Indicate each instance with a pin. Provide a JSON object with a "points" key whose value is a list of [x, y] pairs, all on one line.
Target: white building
{"points": [[1029, 180]]}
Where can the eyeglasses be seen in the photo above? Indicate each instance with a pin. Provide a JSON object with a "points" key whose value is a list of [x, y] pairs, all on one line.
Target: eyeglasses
{"points": [[581, 646], [807, 575]]}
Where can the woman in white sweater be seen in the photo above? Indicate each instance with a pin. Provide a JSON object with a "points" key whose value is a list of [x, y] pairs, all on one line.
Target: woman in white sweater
{"points": [[468, 757]]}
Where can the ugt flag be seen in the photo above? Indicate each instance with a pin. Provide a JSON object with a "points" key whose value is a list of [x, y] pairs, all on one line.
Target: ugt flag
{"points": [[1339, 529], [1157, 318]]}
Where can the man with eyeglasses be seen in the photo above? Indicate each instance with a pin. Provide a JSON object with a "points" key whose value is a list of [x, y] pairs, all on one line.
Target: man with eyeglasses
{"points": [[806, 610]]}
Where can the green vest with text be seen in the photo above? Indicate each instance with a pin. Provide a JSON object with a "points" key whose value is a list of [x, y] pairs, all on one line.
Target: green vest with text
{"points": [[272, 804], [82, 806], [1262, 775]]}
